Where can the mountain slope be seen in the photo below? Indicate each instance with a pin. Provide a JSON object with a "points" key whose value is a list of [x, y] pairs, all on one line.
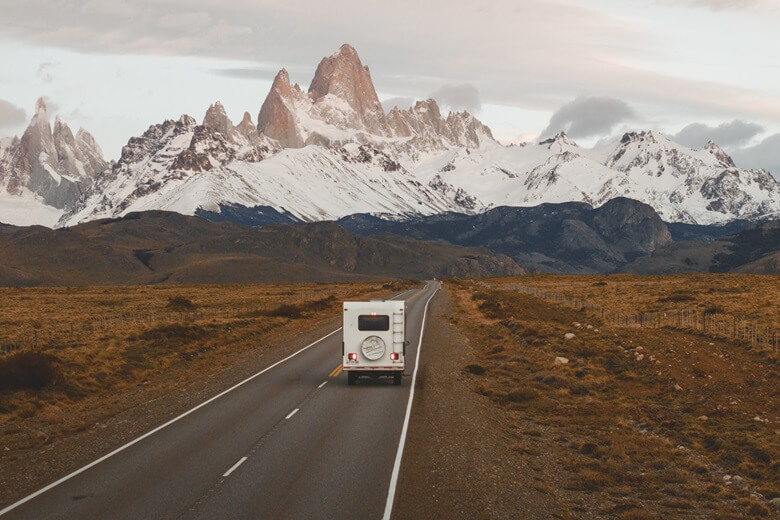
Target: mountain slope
{"points": [[164, 247]]}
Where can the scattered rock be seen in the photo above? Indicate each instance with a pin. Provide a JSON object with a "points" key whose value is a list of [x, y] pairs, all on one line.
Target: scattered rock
{"points": [[678, 388], [726, 478], [775, 503], [577, 324], [590, 327], [561, 360], [639, 349], [703, 418], [640, 357], [569, 336]]}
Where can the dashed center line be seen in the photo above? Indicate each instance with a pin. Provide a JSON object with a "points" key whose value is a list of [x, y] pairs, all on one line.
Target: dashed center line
{"points": [[292, 413], [322, 384], [236, 465]]}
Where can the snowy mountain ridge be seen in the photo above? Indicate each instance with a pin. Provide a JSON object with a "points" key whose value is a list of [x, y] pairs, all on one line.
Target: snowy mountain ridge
{"points": [[332, 151]]}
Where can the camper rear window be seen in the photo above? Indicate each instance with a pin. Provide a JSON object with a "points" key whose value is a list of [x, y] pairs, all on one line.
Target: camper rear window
{"points": [[366, 322]]}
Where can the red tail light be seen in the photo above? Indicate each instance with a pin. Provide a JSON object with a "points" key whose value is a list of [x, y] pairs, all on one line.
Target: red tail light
{"points": [[394, 356], [353, 356]]}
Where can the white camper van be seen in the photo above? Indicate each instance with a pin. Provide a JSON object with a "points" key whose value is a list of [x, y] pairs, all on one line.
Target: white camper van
{"points": [[374, 339]]}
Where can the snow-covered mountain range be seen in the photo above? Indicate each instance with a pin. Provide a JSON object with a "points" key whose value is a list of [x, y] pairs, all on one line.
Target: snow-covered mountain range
{"points": [[332, 151]]}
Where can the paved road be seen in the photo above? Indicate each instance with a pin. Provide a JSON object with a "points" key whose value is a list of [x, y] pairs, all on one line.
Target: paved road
{"points": [[294, 442]]}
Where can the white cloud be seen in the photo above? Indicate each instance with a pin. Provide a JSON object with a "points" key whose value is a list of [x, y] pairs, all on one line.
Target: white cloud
{"points": [[733, 134], [190, 21], [46, 72], [589, 117], [458, 97], [765, 154], [11, 116]]}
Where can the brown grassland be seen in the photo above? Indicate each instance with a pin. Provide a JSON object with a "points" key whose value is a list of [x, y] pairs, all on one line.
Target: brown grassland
{"points": [[643, 423], [748, 297], [84, 353]]}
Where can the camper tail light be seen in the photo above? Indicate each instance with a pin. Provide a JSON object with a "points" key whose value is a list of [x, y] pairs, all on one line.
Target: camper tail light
{"points": [[394, 356], [353, 356]]}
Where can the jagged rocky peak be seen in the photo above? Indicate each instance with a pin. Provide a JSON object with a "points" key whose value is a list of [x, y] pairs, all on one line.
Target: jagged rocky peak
{"points": [[645, 136], [560, 138], [53, 163], [246, 127], [217, 120], [276, 118], [724, 158], [344, 76], [87, 141]]}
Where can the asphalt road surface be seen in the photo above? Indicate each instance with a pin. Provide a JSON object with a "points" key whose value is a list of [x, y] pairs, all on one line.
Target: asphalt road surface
{"points": [[293, 441]]}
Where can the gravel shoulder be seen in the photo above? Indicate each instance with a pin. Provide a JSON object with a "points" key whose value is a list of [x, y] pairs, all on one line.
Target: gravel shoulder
{"points": [[462, 458]]}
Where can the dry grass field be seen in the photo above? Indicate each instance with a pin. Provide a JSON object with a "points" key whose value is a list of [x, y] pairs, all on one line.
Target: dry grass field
{"points": [[749, 297], [83, 352], [638, 423]]}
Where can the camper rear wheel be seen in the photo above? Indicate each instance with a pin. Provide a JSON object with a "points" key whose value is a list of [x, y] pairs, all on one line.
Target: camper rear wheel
{"points": [[352, 378], [397, 378]]}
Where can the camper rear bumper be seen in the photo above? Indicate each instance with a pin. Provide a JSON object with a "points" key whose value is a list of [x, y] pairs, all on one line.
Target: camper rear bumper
{"points": [[379, 370]]}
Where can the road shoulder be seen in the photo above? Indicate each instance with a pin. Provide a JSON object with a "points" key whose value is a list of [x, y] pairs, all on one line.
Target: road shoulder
{"points": [[460, 460]]}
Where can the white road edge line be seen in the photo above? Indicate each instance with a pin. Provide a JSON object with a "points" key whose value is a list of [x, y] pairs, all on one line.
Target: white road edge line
{"points": [[292, 413], [152, 432], [233, 468], [322, 384], [400, 452]]}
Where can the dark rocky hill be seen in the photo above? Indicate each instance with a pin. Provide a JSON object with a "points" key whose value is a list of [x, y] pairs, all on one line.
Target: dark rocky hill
{"points": [[755, 250], [571, 237]]}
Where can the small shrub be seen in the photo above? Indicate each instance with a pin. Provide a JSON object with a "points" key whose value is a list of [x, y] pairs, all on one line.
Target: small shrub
{"points": [[521, 396], [578, 390], [322, 304], [599, 284], [27, 370], [713, 310], [477, 370], [180, 304], [285, 311], [712, 443], [677, 297]]}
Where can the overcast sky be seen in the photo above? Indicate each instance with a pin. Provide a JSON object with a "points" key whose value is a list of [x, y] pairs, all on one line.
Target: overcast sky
{"points": [[693, 69]]}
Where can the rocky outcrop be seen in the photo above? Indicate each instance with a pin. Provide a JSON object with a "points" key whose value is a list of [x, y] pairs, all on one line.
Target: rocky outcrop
{"points": [[344, 77], [342, 105], [276, 118], [246, 127], [54, 165], [568, 238], [425, 122], [217, 120]]}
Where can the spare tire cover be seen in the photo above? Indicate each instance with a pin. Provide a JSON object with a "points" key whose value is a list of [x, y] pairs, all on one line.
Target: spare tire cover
{"points": [[373, 348]]}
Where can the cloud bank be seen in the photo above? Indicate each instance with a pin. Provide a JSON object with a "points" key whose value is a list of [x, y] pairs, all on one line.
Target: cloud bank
{"points": [[589, 117], [736, 133], [11, 116], [458, 97]]}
